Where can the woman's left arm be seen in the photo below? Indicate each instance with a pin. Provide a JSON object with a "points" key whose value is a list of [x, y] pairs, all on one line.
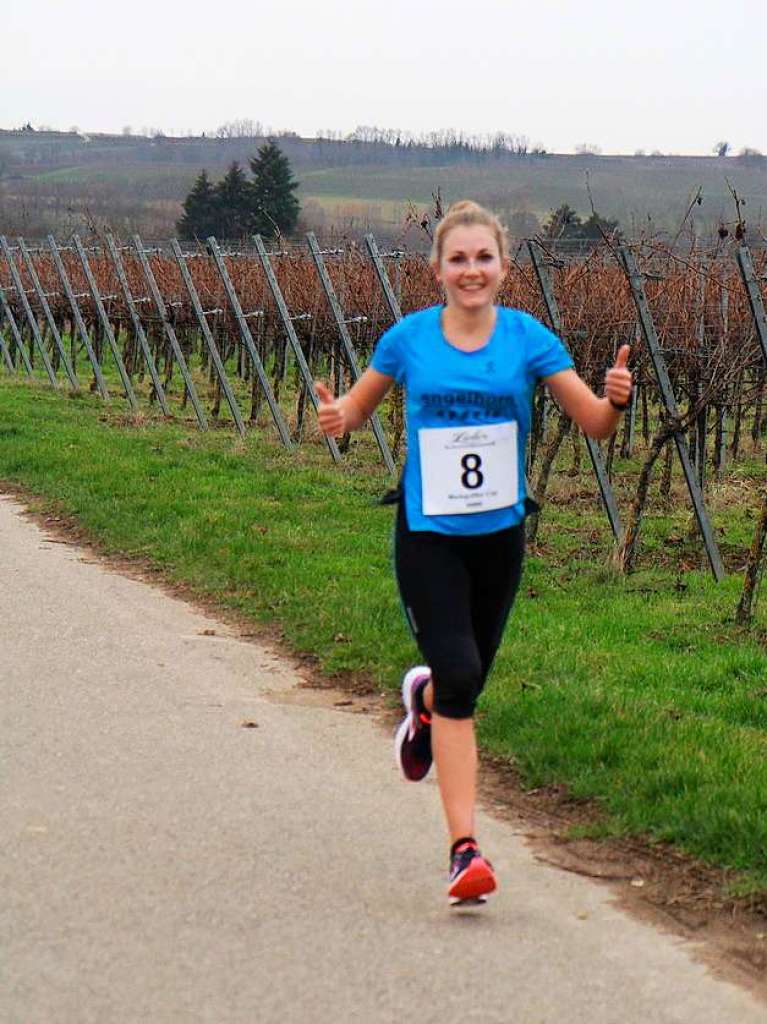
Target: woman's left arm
{"points": [[597, 417]]}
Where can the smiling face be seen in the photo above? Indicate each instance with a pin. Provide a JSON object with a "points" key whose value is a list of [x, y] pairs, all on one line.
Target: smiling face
{"points": [[471, 268]]}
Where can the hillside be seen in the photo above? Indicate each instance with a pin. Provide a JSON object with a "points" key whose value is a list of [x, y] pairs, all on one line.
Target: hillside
{"points": [[63, 181]]}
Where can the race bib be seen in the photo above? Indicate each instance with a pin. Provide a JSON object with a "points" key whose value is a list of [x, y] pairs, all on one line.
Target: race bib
{"points": [[468, 469]]}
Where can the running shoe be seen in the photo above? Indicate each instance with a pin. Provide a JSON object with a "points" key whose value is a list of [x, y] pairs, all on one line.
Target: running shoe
{"points": [[412, 742], [472, 878]]}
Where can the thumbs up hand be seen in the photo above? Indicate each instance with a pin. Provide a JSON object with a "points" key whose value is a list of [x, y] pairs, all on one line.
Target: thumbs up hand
{"points": [[619, 381], [330, 412]]}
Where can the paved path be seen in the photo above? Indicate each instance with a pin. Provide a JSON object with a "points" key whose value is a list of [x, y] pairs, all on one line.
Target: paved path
{"points": [[159, 862]]}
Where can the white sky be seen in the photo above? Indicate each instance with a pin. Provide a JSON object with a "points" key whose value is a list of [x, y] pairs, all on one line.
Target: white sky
{"points": [[671, 75]]}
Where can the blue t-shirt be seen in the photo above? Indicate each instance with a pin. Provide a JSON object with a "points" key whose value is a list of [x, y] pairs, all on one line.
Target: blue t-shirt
{"points": [[446, 387]]}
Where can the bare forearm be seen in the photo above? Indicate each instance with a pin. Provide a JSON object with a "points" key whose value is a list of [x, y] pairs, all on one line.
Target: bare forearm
{"points": [[599, 419]]}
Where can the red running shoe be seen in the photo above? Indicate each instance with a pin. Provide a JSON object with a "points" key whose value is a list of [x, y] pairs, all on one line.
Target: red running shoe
{"points": [[412, 741], [472, 878]]}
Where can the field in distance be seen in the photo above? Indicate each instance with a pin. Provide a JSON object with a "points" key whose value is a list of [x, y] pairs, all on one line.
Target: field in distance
{"points": [[49, 181]]}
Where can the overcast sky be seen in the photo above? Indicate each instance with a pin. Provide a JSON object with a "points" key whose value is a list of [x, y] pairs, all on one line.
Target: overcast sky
{"points": [[669, 75]]}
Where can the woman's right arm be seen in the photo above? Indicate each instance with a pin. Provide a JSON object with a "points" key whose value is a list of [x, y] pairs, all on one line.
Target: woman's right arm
{"points": [[338, 416]]}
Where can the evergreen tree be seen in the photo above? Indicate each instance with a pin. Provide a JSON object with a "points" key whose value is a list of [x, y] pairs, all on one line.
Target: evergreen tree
{"points": [[563, 222], [276, 208], [199, 219], [234, 203]]}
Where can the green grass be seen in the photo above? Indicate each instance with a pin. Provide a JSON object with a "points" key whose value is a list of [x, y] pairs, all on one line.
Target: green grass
{"points": [[128, 177], [639, 693], [204, 381]]}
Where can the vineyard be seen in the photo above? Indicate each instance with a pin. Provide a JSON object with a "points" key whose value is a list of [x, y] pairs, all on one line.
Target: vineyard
{"points": [[236, 338]]}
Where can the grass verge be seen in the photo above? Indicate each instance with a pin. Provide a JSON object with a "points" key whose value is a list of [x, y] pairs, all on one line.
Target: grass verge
{"points": [[639, 693]]}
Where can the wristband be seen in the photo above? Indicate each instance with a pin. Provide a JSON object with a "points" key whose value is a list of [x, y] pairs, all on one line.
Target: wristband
{"points": [[619, 408]]}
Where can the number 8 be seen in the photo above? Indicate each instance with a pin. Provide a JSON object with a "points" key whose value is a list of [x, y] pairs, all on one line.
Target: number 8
{"points": [[471, 478]]}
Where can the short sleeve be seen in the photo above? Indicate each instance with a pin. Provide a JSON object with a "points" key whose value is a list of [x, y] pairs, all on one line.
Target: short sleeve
{"points": [[389, 354], [545, 352]]}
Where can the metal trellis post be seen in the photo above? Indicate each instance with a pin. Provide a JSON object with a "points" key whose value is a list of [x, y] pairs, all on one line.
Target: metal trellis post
{"points": [[170, 332], [82, 330], [138, 327], [669, 400], [208, 336], [19, 286], [343, 330], [35, 279], [552, 310], [290, 330], [8, 313], [747, 272], [247, 338], [383, 277], [4, 350], [6, 355], [106, 325]]}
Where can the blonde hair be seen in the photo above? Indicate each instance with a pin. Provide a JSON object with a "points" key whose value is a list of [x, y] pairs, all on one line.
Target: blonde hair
{"points": [[464, 214]]}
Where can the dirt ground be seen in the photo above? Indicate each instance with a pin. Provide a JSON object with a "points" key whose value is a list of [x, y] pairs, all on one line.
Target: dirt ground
{"points": [[654, 882]]}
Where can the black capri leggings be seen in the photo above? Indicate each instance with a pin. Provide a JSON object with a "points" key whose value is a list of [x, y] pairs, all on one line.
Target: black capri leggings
{"points": [[457, 592]]}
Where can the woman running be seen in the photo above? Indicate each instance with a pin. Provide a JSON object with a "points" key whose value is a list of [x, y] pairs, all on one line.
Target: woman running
{"points": [[469, 369]]}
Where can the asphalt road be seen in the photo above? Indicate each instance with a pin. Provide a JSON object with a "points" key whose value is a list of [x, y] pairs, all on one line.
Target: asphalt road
{"points": [[160, 861]]}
